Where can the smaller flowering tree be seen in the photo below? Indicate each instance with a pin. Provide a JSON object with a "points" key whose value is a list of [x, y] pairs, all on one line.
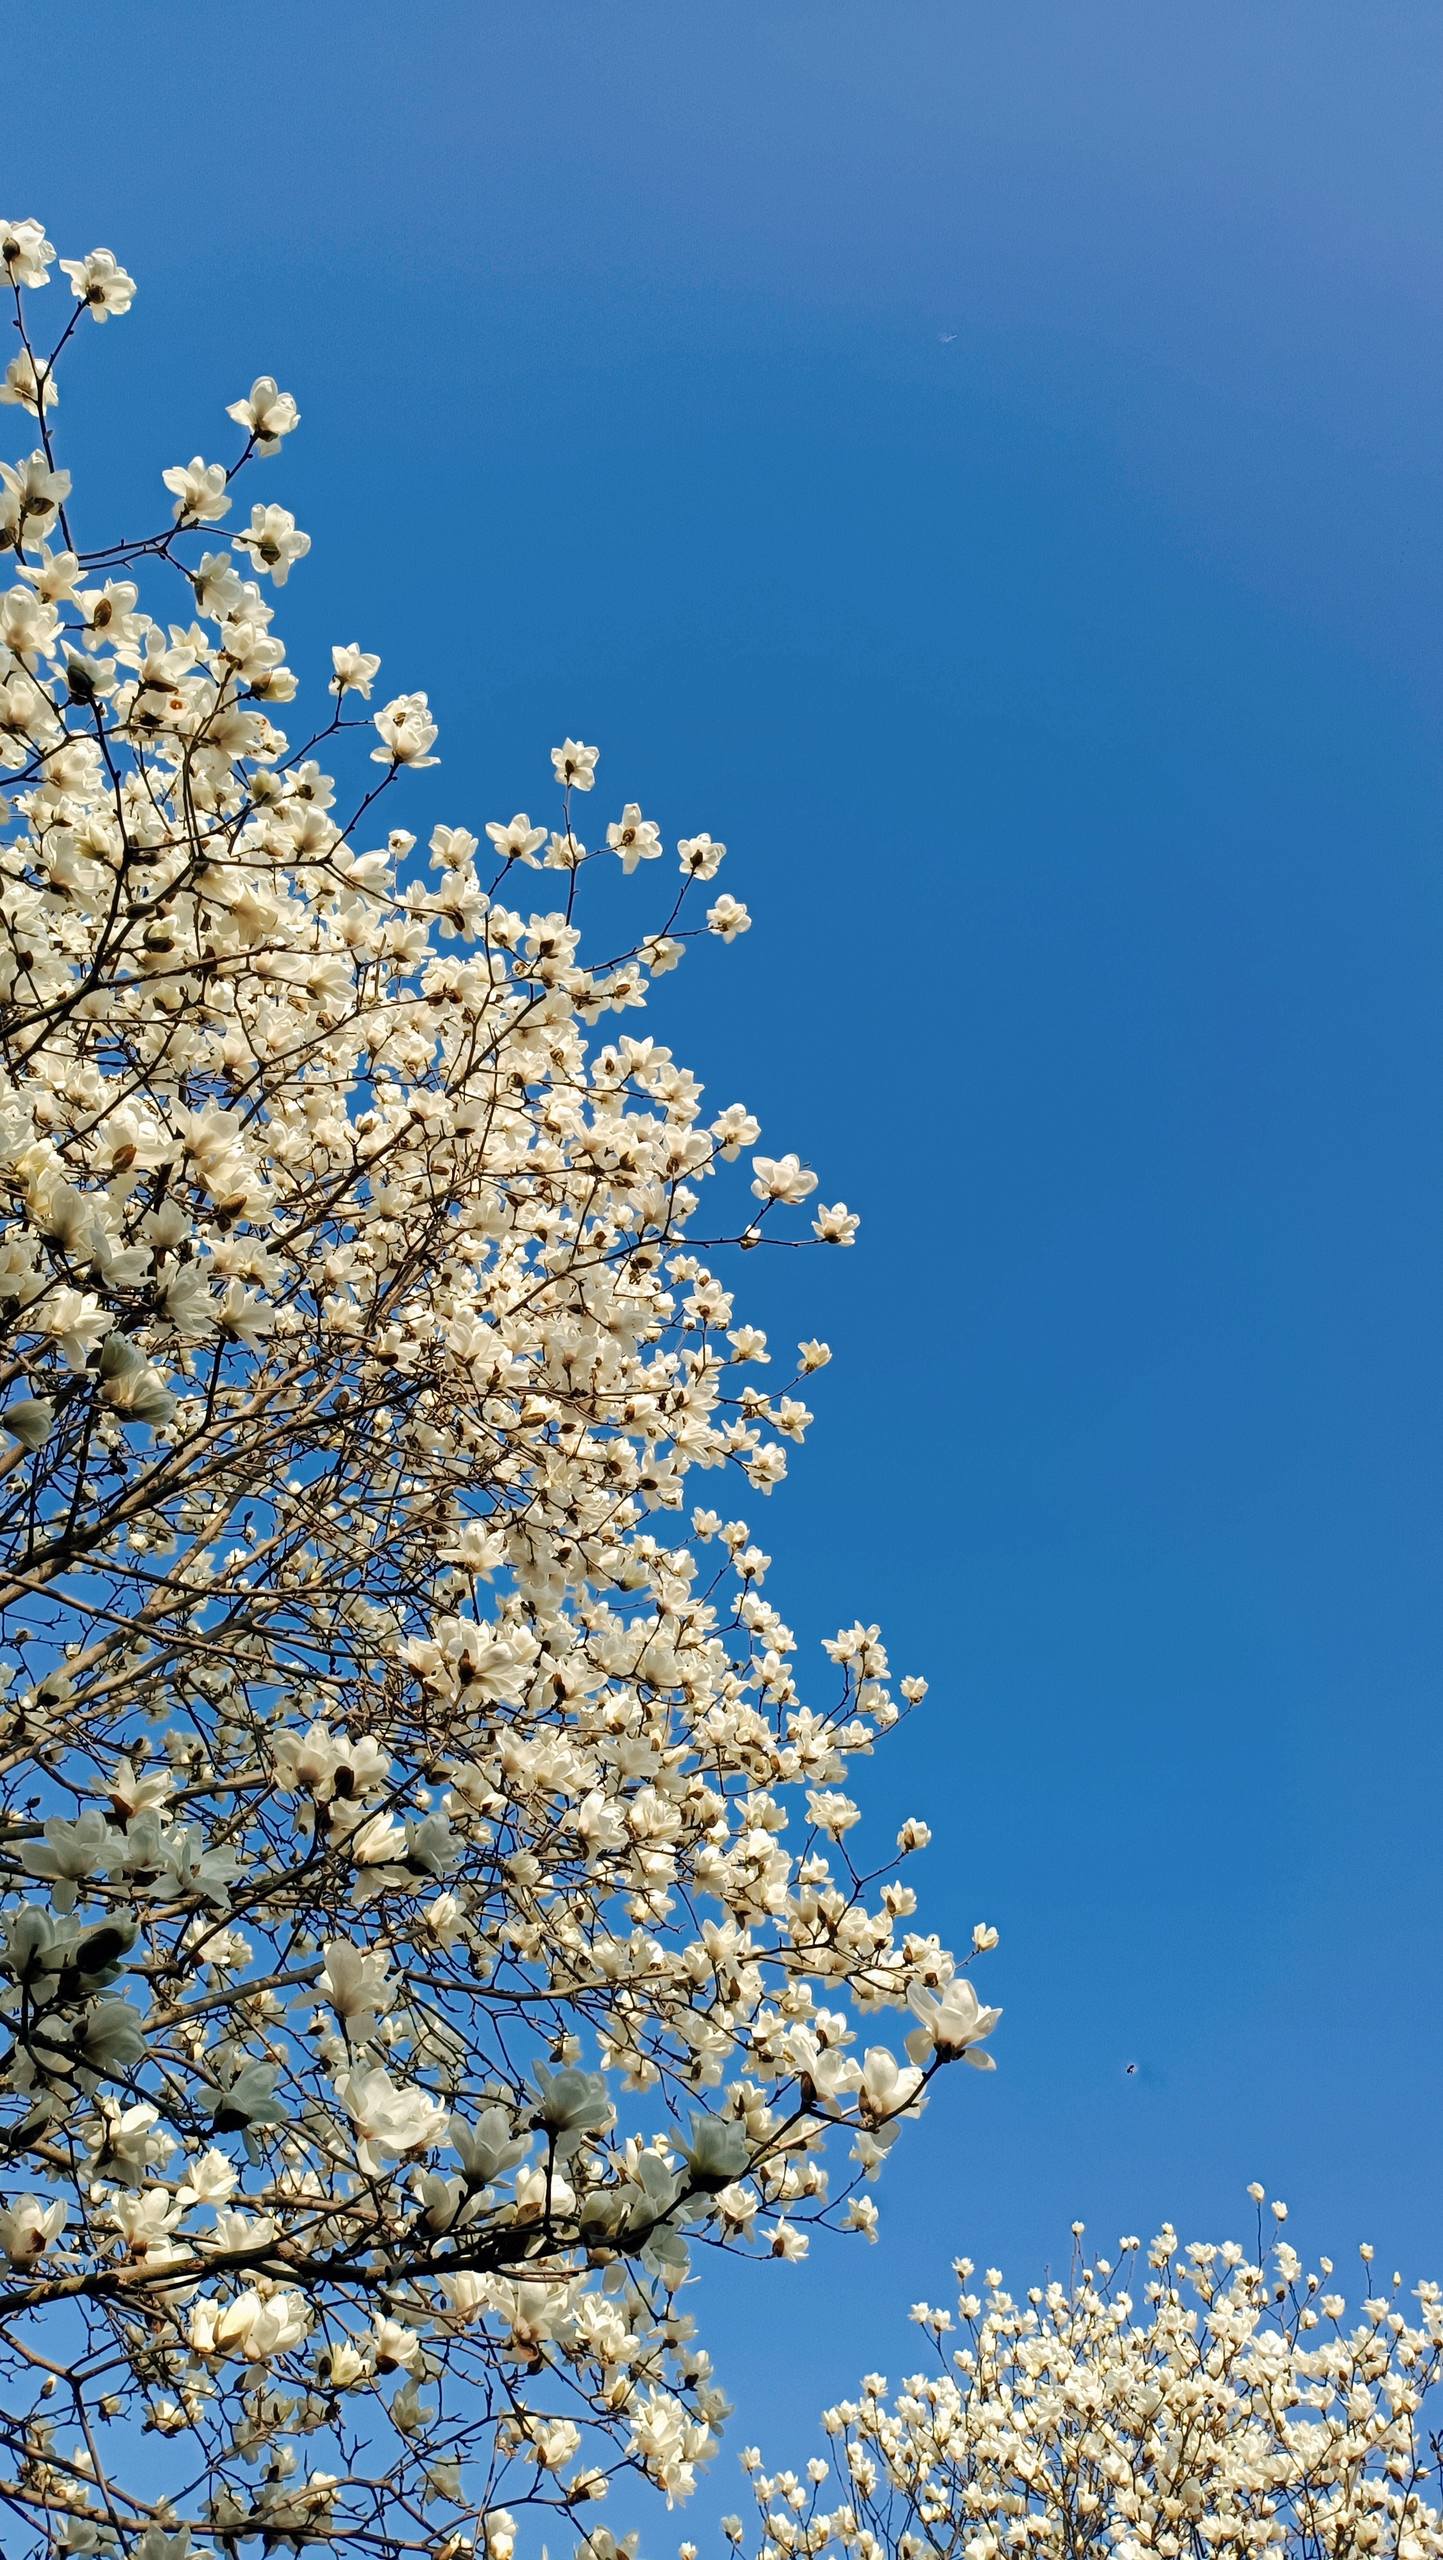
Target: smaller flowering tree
{"points": [[1178, 2402]]}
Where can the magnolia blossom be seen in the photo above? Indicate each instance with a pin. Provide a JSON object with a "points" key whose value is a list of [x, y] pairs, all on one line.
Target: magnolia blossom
{"points": [[253, 2328], [728, 918], [274, 542], [886, 2086], [353, 669], [406, 729], [575, 765], [357, 1982], [390, 2122], [783, 1178], [28, 2226], [953, 2022], [701, 858], [100, 282], [634, 838], [28, 256], [28, 386], [199, 489], [267, 412], [516, 841]]}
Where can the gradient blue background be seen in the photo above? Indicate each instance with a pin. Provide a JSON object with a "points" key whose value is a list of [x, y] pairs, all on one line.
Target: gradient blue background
{"points": [[985, 463]]}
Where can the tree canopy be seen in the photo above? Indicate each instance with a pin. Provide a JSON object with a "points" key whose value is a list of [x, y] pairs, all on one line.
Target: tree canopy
{"points": [[431, 1907]]}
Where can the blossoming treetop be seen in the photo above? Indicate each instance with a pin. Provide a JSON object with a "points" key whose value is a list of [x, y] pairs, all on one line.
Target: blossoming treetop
{"points": [[1168, 2401]]}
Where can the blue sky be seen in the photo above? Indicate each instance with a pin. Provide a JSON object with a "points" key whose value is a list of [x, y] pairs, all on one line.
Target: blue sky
{"points": [[985, 464]]}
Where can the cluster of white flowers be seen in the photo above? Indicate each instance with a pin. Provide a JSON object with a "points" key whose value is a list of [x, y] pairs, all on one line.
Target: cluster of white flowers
{"points": [[428, 1908], [1237, 2407]]}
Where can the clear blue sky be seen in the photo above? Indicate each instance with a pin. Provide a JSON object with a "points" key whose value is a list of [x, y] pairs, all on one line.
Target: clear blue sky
{"points": [[984, 462]]}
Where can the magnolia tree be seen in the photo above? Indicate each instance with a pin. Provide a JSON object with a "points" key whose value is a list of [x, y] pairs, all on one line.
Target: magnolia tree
{"points": [[429, 1910], [1170, 2402]]}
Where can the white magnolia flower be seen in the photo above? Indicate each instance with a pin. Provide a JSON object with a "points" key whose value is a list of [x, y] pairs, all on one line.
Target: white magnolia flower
{"points": [[253, 2328], [30, 1420], [886, 2085], [634, 838], [76, 1321], [212, 2179], [199, 490], [575, 765], [390, 2122], [837, 1225], [100, 282], [781, 1178], [953, 2022], [354, 669], [357, 1982], [27, 254], [27, 386], [28, 2226], [32, 494], [515, 841], [728, 918], [266, 413], [701, 858], [275, 542], [406, 730]]}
